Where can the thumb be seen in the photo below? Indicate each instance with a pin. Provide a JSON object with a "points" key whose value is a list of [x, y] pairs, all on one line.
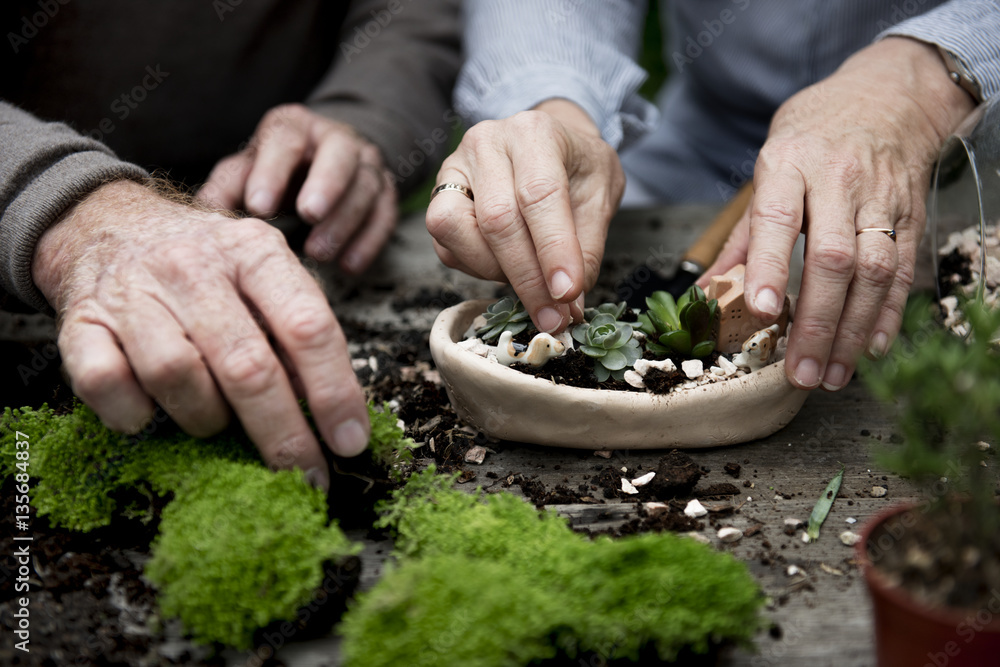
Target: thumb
{"points": [[733, 252]]}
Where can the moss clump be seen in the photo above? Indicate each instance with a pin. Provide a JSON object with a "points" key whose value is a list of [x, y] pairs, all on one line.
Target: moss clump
{"points": [[388, 445], [491, 582], [241, 546], [82, 469]]}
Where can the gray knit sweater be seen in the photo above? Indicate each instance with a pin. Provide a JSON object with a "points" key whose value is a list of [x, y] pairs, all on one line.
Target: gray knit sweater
{"points": [[102, 90]]}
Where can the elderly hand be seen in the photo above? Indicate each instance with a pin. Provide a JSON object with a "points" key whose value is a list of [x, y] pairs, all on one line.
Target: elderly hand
{"points": [[161, 302], [545, 187], [852, 152], [348, 195]]}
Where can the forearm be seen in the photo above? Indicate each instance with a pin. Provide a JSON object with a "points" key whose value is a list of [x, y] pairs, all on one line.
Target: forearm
{"points": [[392, 80], [44, 169], [519, 55]]}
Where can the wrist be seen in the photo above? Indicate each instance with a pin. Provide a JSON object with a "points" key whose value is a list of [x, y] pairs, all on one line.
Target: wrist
{"points": [[70, 234], [919, 73], [571, 115]]}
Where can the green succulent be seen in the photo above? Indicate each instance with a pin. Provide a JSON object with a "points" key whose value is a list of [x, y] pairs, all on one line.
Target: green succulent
{"points": [[686, 326], [610, 344], [616, 310], [507, 314]]}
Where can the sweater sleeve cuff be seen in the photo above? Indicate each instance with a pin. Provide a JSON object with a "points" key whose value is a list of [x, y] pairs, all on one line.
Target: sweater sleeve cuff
{"points": [[40, 203], [968, 29], [532, 86]]}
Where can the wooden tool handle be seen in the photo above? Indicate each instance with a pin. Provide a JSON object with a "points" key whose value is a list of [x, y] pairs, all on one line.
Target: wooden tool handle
{"points": [[709, 244]]}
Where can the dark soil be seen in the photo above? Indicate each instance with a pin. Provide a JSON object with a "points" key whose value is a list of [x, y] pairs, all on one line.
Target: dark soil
{"points": [[676, 476], [671, 519], [943, 558], [954, 270], [575, 370]]}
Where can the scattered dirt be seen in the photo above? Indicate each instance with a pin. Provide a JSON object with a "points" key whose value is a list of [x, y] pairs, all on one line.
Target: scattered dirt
{"points": [[672, 519], [732, 469], [663, 382], [954, 270], [719, 490], [676, 476]]}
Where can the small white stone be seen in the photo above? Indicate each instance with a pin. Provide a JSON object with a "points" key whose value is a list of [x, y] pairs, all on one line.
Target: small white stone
{"points": [[656, 506], [805, 537], [716, 370], [730, 534], [475, 454], [690, 384], [566, 338], [628, 488], [851, 519], [983, 446], [643, 480], [634, 379], [793, 522], [695, 509], [793, 570], [879, 492], [642, 366], [373, 362], [603, 453], [693, 368], [624, 469], [697, 537], [358, 364], [728, 367], [850, 538]]}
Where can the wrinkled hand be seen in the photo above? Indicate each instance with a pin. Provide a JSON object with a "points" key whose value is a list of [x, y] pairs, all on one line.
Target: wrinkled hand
{"points": [[545, 187], [160, 302], [348, 195], [854, 151]]}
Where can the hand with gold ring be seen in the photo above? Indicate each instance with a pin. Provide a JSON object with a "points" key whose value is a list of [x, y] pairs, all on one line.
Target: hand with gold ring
{"points": [[528, 200], [348, 196], [847, 162]]}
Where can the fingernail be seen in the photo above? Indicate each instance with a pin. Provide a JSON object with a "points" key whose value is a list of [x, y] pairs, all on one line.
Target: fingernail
{"points": [[318, 478], [314, 207], [767, 302], [561, 283], [835, 378], [350, 439], [261, 202], [807, 373], [578, 309], [879, 345], [549, 320]]}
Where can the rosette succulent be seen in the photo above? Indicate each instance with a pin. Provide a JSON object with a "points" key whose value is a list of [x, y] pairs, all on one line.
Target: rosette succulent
{"points": [[609, 342], [507, 314], [686, 326]]}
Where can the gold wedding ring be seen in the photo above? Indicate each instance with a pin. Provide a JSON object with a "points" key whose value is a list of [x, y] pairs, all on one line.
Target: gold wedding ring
{"points": [[457, 187], [891, 233]]}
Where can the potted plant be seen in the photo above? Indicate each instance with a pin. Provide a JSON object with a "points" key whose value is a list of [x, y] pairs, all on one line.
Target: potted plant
{"points": [[718, 406], [933, 569]]}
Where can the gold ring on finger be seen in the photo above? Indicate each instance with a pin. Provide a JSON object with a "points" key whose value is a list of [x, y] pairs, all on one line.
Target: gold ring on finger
{"points": [[457, 187], [891, 233]]}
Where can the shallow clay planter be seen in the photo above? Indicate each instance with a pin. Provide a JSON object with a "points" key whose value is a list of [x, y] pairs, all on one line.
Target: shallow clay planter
{"points": [[908, 632], [507, 404]]}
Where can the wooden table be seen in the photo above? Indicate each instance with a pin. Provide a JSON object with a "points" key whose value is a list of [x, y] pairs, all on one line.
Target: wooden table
{"points": [[824, 615]]}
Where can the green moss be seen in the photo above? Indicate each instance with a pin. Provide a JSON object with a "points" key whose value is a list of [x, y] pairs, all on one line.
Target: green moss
{"points": [[389, 447], [240, 547], [81, 467], [491, 582]]}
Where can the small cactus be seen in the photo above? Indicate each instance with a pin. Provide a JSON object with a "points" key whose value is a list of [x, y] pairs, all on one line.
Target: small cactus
{"points": [[609, 342], [686, 326], [507, 314]]}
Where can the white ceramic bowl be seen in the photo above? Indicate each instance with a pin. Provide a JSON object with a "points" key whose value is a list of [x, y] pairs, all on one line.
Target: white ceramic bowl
{"points": [[509, 405]]}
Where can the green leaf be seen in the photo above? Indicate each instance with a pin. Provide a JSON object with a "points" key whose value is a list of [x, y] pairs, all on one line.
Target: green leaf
{"points": [[657, 349], [614, 360], [823, 505], [696, 318], [679, 341], [601, 372], [703, 349], [580, 332], [591, 351]]}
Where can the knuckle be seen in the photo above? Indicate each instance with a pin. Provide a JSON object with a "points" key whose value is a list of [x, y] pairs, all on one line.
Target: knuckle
{"points": [[538, 192], [482, 136], [310, 326], [878, 266], [775, 214], [834, 256], [91, 382], [847, 168], [815, 330], [498, 216], [249, 369]]}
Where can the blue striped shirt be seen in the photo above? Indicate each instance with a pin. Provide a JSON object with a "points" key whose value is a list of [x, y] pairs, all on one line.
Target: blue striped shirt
{"points": [[733, 62]]}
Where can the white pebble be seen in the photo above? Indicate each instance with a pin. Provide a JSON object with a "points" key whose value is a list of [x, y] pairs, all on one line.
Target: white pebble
{"points": [[850, 538], [983, 446], [793, 570], [730, 534], [695, 509], [697, 537], [628, 488], [728, 367], [851, 519], [634, 379], [476, 454], [475, 346], [655, 506], [693, 368], [642, 366], [879, 491], [644, 479], [805, 537], [793, 522]]}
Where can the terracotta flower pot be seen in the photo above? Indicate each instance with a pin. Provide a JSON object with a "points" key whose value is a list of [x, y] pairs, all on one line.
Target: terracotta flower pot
{"points": [[507, 404], [910, 633]]}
